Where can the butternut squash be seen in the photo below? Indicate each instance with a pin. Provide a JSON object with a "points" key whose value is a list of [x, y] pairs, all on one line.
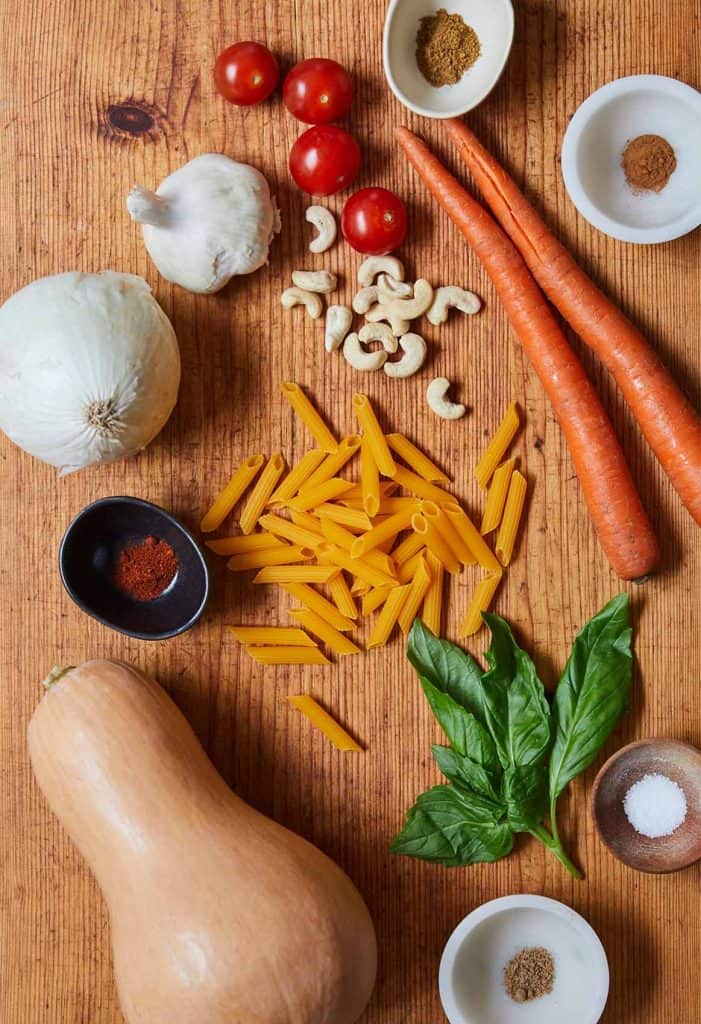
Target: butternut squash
{"points": [[218, 914]]}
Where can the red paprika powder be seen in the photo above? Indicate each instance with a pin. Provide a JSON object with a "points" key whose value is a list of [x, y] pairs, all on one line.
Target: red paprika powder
{"points": [[144, 570]]}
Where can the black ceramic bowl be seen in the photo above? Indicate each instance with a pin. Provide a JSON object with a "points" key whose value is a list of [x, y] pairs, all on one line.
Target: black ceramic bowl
{"points": [[88, 555]]}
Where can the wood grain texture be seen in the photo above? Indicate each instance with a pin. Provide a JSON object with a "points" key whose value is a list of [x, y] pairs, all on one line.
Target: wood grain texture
{"points": [[67, 165]]}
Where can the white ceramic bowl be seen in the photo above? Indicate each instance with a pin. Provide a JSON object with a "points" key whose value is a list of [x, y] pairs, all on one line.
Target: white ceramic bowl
{"points": [[596, 138], [471, 976], [492, 20]]}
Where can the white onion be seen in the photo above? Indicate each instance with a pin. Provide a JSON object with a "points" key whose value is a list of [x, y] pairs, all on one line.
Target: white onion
{"points": [[89, 368]]}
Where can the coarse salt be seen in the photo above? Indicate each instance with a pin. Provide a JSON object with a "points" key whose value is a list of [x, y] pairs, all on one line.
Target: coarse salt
{"points": [[655, 806]]}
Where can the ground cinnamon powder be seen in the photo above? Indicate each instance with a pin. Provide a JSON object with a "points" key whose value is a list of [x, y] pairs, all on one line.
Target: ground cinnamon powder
{"points": [[144, 570], [648, 163], [530, 974], [446, 47]]}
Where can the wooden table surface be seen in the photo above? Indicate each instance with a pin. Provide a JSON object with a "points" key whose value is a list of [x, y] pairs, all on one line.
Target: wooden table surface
{"points": [[68, 158]]}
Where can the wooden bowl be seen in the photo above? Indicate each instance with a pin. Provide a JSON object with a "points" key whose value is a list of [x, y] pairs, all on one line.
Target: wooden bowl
{"points": [[680, 762]]}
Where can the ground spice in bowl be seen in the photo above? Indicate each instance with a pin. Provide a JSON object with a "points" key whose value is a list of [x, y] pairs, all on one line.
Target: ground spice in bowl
{"points": [[530, 974], [446, 47], [145, 570], [648, 163]]}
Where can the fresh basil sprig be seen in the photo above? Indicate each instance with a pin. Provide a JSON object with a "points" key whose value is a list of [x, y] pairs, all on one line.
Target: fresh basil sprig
{"points": [[511, 754]]}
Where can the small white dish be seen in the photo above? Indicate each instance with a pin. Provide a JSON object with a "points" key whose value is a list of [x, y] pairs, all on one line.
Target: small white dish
{"points": [[493, 21], [595, 140], [471, 975]]}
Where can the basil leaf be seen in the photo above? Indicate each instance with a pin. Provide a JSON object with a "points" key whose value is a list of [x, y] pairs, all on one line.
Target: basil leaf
{"points": [[525, 792], [454, 827], [467, 772], [466, 734], [592, 693], [447, 667], [517, 713]]}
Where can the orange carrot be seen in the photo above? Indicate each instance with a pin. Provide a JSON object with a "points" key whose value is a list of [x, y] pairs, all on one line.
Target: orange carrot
{"points": [[666, 417], [620, 520]]}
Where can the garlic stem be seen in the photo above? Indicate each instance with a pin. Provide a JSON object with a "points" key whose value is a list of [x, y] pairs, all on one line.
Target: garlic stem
{"points": [[145, 207]]}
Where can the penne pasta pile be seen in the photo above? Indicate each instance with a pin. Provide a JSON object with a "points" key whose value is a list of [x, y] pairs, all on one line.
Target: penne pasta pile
{"points": [[380, 545]]}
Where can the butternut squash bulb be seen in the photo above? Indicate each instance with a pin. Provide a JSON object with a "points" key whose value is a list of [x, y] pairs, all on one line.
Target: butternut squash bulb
{"points": [[218, 914]]}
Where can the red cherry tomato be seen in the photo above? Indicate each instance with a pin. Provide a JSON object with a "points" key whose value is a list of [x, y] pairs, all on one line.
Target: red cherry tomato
{"points": [[324, 160], [246, 73], [374, 221], [317, 91]]}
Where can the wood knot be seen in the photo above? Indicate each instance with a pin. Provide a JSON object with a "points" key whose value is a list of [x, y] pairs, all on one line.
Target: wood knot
{"points": [[131, 119]]}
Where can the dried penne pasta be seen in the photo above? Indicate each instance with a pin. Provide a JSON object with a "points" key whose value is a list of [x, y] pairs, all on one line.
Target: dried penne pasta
{"points": [[265, 486], [323, 721], [226, 499], [313, 496], [388, 617], [475, 541], [309, 416], [412, 543], [389, 528], [417, 592], [342, 597], [434, 542], [280, 636], [281, 554], [296, 574], [369, 480], [290, 531], [456, 542], [496, 496], [373, 436], [433, 601], [336, 534], [407, 570], [297, 477], [481, 600], [416, 459], [308, 522], [334, 639], [374, 598], [515, 500], [315, 601], [388, 506], [360, 587], [337, 460], [494, 453], [364, 570], [237, 545], [352, 518], [420, 487], [354, 497], [287, 655]]}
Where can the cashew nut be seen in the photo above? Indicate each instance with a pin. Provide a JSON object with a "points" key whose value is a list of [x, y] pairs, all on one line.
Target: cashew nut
{"points": [[410, 309], [299, 297], [414, 348], [377, 313], [365, 298], [315, 280], [451, 297], [338, 324], [325, 223], [374, 265], [436, 397], [390, 288], [379, 332], [359, 359]]}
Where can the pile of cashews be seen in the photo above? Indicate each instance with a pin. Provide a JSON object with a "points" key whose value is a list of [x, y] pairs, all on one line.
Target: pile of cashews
{"points": [[388, 304]]}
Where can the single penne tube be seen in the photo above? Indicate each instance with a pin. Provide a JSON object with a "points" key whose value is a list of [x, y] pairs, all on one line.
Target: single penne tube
{"points": [[347, 448], [322, 629], [374, 598], [496, 449], [281, 554], [388, 506], [412, 543], [372, 434], [311, 497], [328, 726], [279, 527], [237, 545], [433, 601], [418, 486], [296, 574], [312, 420], [297, 477], [342, 597], [337, 534], [388, 617], [354, 497], [481, 600], [265, 485], [226, 499], [496, 496], [434, 542], [417, 591], [513, 510], [475, 541], [352, 518], [389, 528], [457, 543], [287, 655], [370, 574], [369, 480], [312, 599], [280, 636], [416, 459]]}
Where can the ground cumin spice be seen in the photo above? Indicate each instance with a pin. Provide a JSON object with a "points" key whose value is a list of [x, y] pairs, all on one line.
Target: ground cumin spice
{"points": [[648, 163], [445, 48], [144, 570], [530, 974]]}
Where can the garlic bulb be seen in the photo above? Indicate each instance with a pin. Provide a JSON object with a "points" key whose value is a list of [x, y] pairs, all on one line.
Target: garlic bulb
{"points": [[208, 221], [89, 368]]}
